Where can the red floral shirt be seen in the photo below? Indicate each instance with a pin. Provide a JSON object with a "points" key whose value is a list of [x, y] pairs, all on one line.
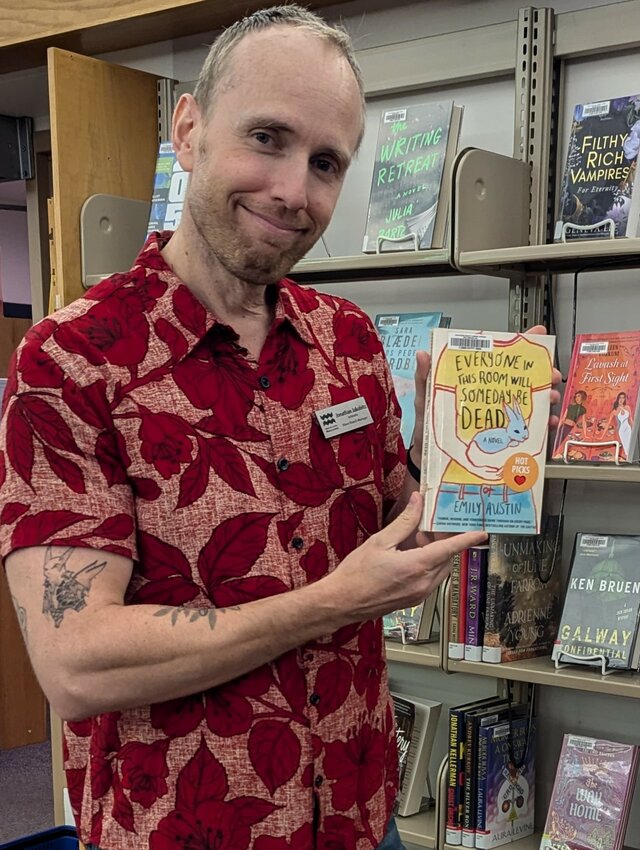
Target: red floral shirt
{"points": [[135, 423]]}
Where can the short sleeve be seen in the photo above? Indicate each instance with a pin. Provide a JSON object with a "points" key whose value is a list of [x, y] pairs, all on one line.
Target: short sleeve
{"points": [[62, 471]]}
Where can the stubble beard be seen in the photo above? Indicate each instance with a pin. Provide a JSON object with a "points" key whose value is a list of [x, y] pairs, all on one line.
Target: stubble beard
{"points": [[226, 245]]}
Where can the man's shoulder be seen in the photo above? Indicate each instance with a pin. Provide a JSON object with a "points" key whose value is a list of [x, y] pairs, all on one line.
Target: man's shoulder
{"points": [[310, 301]]}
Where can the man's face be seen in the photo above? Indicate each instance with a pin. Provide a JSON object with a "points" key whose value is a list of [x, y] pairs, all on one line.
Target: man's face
{"points": [[270, 158]]}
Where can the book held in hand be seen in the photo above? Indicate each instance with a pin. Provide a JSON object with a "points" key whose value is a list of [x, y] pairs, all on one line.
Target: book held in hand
{"points": [[416, 718], [592, 794], [410, 186], [600, 171], [599, 420], [599, 621], [522, 604], [486, 431]]}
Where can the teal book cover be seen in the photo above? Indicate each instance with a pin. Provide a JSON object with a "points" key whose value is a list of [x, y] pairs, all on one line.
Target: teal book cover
{"points": [[403, 334]]}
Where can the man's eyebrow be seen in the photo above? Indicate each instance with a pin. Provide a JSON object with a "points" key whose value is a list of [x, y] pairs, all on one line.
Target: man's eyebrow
{"points": [[268, 122]]}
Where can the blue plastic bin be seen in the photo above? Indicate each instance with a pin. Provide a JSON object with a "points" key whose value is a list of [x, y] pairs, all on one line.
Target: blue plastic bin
{"points": [[60, 838]]}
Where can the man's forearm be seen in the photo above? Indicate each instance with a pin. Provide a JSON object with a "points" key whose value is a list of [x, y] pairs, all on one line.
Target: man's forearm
{"points": [[125, 656]]}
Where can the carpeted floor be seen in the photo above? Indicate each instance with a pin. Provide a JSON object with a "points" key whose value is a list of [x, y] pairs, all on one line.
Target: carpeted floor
{"points": [[26, 799]]}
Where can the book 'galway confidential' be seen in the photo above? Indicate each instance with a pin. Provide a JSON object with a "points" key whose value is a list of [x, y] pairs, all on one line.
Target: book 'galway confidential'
{"points": [[599, 620], [411, 177], [592, 794], [486, 431]]}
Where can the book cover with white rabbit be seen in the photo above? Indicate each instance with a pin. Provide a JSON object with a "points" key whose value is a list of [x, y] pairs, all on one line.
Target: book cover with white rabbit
{"points": [[486, 431]]}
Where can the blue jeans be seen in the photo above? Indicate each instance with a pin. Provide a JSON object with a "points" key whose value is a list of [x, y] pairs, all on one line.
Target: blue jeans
{"points": [[391, 841]]}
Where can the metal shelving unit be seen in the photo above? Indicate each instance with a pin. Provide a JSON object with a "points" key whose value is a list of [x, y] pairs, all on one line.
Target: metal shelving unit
{"points": [[419, 829], [542, 671], [623, 473], [420, 654]]}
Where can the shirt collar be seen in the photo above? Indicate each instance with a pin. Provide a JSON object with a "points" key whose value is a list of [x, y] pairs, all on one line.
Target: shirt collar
{"points": [[292, 304]]}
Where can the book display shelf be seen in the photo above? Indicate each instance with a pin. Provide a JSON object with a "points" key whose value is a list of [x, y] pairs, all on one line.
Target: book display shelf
{"points": [[488, 235]]}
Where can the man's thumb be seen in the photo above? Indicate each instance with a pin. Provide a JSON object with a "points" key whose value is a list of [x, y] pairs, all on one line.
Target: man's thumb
{"points": [[404, 524]]}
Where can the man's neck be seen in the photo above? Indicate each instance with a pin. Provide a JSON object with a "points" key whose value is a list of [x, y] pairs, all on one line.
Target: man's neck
{"points": [[242, 306]]}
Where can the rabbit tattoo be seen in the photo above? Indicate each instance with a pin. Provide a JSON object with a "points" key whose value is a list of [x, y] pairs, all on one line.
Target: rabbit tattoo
{"points": [[493, 440]]}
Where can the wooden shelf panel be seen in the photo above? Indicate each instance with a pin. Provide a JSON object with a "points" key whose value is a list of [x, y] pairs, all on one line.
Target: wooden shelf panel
{"points": [[419, 829], [542, 671], [375, 267], [92, 26], [624, 473], [567, 257], [421, 654]]}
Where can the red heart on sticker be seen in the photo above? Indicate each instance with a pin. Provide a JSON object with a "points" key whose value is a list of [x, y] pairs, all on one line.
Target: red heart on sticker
{"points": [[520, 479]]}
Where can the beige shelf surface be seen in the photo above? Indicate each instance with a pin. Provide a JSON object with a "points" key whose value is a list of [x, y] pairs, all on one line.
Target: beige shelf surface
{"points": [[531, 842], [375, 266], [570, 256], [419, 829], [622, 473], [542, 671], [421, 654]]}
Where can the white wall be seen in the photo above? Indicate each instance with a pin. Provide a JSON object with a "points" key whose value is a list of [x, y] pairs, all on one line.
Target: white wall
{"points": [[15, 285]]}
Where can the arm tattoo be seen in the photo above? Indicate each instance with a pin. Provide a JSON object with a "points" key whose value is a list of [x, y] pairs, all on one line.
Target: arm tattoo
{"points": [[22, 618], [194, 614], [65, 590]]}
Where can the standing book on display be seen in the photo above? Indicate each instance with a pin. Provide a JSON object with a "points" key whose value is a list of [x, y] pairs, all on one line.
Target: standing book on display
{"points": [[505, 805], [522, 606], [598, 184], [599, 420], [412, 625], [486, 431], [591, 796], [403, 335], [599, 621], [169, 189], [424, 714], [411, 182]]}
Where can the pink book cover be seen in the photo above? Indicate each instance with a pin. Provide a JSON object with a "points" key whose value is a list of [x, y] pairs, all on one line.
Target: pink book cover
{"points": [[599, 416], [591, 795]]}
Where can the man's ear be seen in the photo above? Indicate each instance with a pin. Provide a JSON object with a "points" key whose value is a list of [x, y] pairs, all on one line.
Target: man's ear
{"points": [[185, 130]]}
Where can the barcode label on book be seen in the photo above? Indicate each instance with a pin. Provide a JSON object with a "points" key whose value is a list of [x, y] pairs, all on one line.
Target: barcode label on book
{"points": [[394, 115], [594, 347], [593, 541], [475, 342], [388, 321], [580, 742], [602, 107]]}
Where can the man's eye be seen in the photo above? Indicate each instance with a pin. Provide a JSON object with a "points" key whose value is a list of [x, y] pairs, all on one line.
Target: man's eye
{"points": [[263, 138], [326, 165]]}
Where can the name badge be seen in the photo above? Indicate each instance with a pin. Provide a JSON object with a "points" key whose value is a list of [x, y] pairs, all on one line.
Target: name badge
{"points": [[343, 417]]}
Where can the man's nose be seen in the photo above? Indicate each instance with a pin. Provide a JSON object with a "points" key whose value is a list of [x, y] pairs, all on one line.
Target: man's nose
{"points": [[290, 184]]}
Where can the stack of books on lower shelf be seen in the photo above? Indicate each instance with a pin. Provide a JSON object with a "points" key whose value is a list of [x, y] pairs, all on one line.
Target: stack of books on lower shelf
{"points": [[490, 793], [504, 599]]}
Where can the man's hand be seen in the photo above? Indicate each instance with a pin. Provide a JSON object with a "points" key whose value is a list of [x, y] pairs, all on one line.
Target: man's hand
{"points": [[556, 378], [379, 577]]}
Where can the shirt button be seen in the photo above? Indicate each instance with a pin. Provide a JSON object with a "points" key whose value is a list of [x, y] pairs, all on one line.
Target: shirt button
{"points": [[297, 542], [314, 699], [318, 781], [283, 464], [265, 383]]}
